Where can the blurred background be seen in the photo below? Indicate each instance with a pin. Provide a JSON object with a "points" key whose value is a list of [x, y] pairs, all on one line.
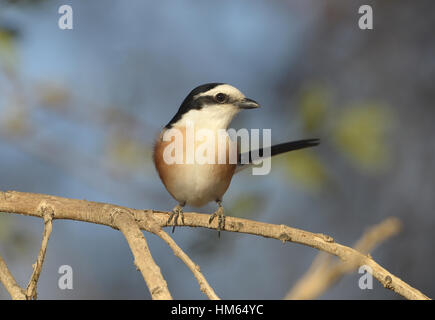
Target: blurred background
{"points": [[79, 110]]}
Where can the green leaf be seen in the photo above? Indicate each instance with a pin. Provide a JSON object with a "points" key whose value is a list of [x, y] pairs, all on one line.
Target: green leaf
{"points": [[360, 132], [8, 53], [313, 107], [247, 205], [306, 169]]}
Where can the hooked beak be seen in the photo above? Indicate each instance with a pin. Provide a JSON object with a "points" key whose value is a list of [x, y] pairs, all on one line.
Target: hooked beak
{"points": [[247, 103]]}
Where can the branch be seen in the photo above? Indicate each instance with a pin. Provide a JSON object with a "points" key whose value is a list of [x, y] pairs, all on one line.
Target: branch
{"points": [[324, 272], [27, 204], [203, 284], [9, 282], [47, 214], [143, 260]]}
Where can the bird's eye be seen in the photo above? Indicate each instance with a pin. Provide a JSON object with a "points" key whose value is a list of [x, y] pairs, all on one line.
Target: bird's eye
{"points": [[221, 97]]}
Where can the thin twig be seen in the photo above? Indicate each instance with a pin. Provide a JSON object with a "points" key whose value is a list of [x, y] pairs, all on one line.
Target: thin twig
{"points": [[124, 221], [325, 272], [47, 213], [8, 280], [203, 284]]}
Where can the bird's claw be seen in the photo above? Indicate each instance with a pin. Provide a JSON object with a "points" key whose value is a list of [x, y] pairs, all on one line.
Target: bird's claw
{"points": [[219, 213], [176, 212]]}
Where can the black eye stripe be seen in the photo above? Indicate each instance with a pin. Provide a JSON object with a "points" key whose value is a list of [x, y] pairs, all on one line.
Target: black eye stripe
{"points": [[190, 102], [203, 101]]}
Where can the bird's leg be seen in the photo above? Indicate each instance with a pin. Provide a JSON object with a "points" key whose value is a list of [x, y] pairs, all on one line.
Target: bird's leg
{"points": [[176, 212], [221, 217]]}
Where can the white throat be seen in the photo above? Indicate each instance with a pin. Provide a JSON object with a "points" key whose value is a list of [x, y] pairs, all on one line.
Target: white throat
{"points": [[210, 117]]}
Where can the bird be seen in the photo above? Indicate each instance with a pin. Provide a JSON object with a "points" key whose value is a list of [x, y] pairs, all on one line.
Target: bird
{"points": [[211, 107]]}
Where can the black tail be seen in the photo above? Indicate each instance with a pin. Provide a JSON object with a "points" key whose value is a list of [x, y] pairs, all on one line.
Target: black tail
{"points": [[246, 158], [293, 145]]}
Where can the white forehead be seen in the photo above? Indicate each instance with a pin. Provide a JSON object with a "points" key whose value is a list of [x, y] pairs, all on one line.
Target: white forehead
{"points": [[223, 88]]}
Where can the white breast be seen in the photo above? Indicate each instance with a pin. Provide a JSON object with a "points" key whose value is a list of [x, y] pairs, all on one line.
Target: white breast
{"points": [[196, 184]]}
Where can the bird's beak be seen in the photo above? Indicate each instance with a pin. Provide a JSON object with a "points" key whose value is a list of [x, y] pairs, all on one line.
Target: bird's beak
{"points": [[247, 103]]}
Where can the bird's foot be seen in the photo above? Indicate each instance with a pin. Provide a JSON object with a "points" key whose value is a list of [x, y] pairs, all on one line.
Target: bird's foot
{"points": [[219, 213], [176, 212]]}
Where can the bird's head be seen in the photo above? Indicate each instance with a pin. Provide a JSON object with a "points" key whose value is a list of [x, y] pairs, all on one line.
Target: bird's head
{"points": [[211, 105]]}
